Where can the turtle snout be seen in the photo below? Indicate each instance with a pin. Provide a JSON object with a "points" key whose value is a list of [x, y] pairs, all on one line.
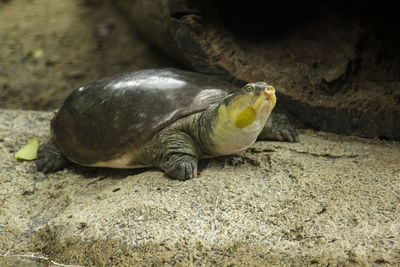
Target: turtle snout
{"points": [[270, 97], [269, 92]]}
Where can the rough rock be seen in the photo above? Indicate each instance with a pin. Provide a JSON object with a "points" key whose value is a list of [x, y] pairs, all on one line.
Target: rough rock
{"points": [[335, 64], [329, 199]]}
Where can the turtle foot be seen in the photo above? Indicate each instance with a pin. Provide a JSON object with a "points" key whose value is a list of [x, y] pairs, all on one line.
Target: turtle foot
{"points": [[50, 158], [278, 128], [180, 167]]}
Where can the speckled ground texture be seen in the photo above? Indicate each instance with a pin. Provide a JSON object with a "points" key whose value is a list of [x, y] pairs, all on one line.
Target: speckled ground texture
{"points": [[329, 199]]}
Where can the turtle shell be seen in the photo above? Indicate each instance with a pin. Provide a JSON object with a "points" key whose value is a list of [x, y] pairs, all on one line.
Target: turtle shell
{"points": [[109, 117]]}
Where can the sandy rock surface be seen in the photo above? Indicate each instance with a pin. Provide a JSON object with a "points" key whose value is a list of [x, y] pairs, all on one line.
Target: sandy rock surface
{"points": [[328, 199], [48, 48]]}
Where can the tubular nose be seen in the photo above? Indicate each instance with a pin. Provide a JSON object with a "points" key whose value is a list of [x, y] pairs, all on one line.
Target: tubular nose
{"points": [[269, 92]]}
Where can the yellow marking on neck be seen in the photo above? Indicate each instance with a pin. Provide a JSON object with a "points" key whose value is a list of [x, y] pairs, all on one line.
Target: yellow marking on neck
{"points": [[245, 118]]}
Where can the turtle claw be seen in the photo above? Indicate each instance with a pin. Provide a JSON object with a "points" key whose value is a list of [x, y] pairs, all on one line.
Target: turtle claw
{"points": [[180, 167], [50, 158], [289, 136]]}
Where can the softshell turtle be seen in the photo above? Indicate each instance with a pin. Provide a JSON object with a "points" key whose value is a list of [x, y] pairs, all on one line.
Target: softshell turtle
{"points": [[167, 118]]}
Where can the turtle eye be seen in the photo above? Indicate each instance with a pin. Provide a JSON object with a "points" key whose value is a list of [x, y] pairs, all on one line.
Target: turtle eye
{"points": [[249, 88]]}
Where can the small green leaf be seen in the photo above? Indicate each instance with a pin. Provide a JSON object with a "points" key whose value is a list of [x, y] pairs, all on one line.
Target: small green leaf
{"points": [[29, 151]]}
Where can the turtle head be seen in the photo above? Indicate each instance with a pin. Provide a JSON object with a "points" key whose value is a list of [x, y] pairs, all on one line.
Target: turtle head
{"points": [[241, 116], [253, 101]]}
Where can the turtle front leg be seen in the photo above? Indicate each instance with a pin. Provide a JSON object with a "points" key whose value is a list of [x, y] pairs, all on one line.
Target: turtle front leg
{"points": [[175, 152], [278, 128], [180, 157], [180, 166]]}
